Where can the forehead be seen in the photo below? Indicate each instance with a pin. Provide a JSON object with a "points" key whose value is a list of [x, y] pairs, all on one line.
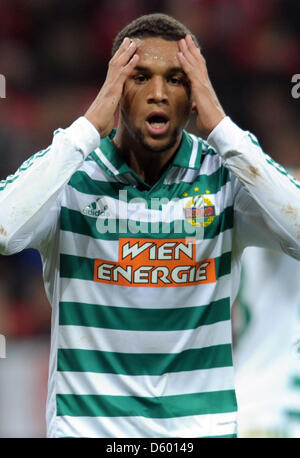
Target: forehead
{"points": [[157, 51]]}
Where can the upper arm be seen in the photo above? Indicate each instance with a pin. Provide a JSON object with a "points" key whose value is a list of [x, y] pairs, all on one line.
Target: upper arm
{"points": [[253, 227]]}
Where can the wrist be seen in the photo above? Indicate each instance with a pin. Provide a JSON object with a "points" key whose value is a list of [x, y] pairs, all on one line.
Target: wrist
{"points": [[93, 120], [206, 124], [83, 134]]}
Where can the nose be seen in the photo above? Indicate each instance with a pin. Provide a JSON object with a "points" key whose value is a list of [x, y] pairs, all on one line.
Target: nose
{"points": [[157, 90]]}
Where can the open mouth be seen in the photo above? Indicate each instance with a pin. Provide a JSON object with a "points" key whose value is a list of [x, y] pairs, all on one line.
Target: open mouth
{"points": [[157, 123]]}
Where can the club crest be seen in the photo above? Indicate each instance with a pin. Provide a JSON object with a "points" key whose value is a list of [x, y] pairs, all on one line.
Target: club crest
{"points": [[199, 211]]}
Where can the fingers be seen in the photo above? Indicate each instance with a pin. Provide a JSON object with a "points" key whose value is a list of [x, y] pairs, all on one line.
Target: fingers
{"points": [[131, 64], [189, 51], [185, 52], [183, 62], [125, 52], [124, 60], [192, 61], [195, 51], [125, 43]]}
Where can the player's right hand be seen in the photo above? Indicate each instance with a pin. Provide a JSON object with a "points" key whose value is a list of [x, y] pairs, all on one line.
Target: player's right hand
{"points": [[101, 112]]}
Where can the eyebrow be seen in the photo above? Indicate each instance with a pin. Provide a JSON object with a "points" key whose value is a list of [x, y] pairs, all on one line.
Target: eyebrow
{"points": [[141, 68]]}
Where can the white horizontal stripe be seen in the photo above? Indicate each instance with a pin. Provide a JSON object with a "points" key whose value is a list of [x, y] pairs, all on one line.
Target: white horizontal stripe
{"points": [[198, 381], [73, 290], [114, 340], [134, 427], [87, 247], [292, 400], [213, 248]]}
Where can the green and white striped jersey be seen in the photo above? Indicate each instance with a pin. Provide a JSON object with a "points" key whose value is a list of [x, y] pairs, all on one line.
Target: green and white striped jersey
{"points": [[266, 362], [141, 279]]}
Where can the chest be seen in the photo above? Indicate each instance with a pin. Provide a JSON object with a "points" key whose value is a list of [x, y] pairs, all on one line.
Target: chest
{"points": [[167, 236]]}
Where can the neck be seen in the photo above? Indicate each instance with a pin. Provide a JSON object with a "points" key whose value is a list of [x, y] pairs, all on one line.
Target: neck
{"points": [[148, 165]]}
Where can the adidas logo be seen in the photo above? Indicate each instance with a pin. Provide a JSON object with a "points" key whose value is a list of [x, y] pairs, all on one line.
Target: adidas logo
{"points": [[96, 208]]}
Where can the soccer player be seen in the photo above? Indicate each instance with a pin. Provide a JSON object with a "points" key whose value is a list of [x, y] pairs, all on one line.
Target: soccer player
{"points": [[266, 360], [141, 231]]}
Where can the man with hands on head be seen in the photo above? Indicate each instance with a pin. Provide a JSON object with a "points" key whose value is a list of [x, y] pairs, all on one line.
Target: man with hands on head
{"points": [[167, 82], [141, 330]]}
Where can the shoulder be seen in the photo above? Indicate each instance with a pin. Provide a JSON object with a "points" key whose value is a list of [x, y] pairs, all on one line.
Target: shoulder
{"points": [[209, 156], [206, 148]]}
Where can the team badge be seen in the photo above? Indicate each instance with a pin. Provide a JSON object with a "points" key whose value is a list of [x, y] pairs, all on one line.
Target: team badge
{"points": [[199, 211]]}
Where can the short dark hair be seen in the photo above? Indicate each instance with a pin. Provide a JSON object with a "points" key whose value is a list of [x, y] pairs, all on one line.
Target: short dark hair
{"points": [[153, 25]]}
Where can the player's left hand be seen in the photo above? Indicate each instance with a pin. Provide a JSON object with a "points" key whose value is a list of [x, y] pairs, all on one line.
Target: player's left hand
{"points": [[205, 102]]}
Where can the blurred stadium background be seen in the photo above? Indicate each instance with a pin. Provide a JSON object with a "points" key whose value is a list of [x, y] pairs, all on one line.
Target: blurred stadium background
{"points": [[54, 56]]}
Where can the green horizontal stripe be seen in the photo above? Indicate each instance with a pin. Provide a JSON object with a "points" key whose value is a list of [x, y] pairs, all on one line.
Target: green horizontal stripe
{"points": [[134, 319], [295, 381], [83, 268], [294, 414], [83, 183], [76, 267], [74, 221], [149, 407], [223, 264], [75, 360]]}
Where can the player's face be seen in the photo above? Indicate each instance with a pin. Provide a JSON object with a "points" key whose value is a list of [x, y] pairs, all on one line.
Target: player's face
{"points": [[156, 101]]}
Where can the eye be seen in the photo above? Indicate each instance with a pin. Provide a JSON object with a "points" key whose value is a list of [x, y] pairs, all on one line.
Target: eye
{"points": [[175, 80], [140, 78]]}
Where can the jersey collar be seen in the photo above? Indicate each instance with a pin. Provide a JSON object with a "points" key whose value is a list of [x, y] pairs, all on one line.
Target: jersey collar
{"points": [[188, 155]]}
